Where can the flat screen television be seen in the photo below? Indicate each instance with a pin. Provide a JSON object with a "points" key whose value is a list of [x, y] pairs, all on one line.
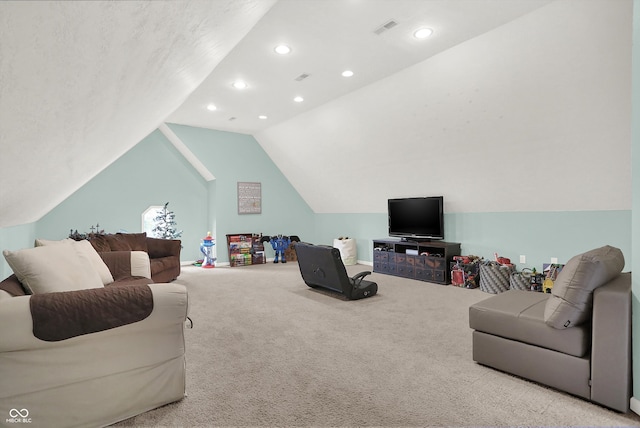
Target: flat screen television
{"points": [[415, 219]]}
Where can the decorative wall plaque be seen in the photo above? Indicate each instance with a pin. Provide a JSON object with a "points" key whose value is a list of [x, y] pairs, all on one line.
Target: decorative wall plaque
{"points": [[249, 197]]}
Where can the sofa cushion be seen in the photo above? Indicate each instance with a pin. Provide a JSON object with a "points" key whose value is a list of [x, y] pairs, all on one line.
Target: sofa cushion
{"points": [[158, 248], [572, 292], [53, 268], [12, 286], [96, 261], [519, 315], [131, 280], [43, 242], [140, 264], [165, 269], [100, 243], [118, 243], [136, 241], [88, 250]]}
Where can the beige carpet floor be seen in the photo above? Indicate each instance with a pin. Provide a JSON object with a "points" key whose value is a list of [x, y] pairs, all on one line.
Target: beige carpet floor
{"points": [[266, 350]]}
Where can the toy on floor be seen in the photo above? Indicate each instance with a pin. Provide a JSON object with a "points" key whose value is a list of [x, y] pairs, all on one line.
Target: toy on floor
{"points": [[465, 271], [206, 248], [279, 243], [552, 272]]}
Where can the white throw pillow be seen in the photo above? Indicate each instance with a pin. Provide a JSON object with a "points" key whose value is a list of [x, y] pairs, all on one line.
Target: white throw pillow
{"points": [[53, 268], [43, 242], [98, 264], [87, 249], [140, 264]]}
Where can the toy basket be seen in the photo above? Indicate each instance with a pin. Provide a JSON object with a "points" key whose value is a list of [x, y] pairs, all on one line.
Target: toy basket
{"points": [[521, 280], [348, 250], [494, 277]]}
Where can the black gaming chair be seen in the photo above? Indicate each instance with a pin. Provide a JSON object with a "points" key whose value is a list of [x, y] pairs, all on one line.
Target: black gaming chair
{"points": [[321, 266]]}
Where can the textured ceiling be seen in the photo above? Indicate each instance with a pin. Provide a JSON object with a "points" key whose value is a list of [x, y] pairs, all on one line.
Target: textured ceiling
{"points": [[83, 82]]}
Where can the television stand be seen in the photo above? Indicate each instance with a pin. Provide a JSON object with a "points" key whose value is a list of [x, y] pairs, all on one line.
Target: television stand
{"points": [[421, 260], [415, 240]]}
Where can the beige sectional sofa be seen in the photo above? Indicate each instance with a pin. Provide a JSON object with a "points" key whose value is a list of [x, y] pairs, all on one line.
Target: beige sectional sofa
{"points": [[576, 339], [86, 344]]}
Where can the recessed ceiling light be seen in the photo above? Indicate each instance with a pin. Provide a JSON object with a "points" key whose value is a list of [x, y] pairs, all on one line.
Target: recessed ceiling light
{"points": [[347, 73], [262, 116], [422, 33], [212, 107], [282, 49], [298, 99], [240, 84]]}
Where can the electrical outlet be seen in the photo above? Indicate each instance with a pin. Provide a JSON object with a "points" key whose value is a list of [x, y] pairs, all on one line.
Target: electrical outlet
{"points": [[554, 260], [523, 259]]}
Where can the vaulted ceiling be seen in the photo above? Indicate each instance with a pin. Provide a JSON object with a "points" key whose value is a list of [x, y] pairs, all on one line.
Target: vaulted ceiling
{"points": [[83, 82], [372, 38]]}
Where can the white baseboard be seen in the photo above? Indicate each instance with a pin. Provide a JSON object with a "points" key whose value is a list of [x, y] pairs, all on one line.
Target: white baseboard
{"points": [[269, 260], [634, 404], [191, 263]]}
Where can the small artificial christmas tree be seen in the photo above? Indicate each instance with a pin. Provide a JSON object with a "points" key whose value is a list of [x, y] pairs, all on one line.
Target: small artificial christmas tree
{"points": [[165, 224]]}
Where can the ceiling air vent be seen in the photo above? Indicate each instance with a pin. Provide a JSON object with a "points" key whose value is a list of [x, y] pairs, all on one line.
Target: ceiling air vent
{"points": [[384, 27], [302, 77]]}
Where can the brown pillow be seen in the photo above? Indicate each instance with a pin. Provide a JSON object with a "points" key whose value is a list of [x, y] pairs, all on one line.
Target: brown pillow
{"points": [[100, 243], [13, 286], [572, 293], [118, 243], [137, 241]]}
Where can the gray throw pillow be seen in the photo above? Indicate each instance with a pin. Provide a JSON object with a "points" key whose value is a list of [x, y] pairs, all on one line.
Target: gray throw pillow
{"points": [[572, 293]]}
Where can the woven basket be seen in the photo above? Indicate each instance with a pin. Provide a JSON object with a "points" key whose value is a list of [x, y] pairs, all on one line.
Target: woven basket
{"points": [[521, 280], [495, 278]]}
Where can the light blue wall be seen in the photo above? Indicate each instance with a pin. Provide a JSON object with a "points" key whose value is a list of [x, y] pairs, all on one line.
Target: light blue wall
{"points": [[537, 235], [15, 238], [635, 150], [151, 173], [540, 235], [361, 227], [234, 158], [154, 172]]}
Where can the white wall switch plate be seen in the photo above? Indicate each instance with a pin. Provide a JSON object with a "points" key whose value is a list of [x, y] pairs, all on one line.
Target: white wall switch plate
{"points": [[523, 259], [554, 260]]}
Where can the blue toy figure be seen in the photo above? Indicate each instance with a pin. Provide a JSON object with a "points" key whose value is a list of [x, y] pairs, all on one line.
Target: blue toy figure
{"points": [[206, 248], [280, 243]]}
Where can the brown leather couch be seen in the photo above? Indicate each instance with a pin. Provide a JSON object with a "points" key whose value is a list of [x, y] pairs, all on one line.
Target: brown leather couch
{"points": [[591, 359], [164, 254]]}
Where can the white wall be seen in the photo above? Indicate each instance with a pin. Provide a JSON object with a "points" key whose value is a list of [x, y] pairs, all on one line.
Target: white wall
{"points": [[532, 116], [635, 310]]}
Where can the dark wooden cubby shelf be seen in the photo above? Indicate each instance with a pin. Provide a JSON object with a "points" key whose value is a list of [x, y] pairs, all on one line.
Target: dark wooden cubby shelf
{"points": [[431, 263]]}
